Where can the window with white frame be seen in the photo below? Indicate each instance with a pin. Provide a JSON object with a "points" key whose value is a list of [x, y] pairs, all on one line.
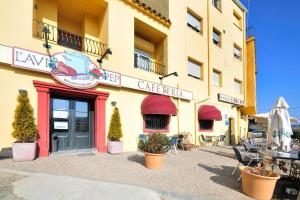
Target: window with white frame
{"points": [[237, 19], [217, 78], [217, 37], [237, 52], [217, 4], [194, 69], [237, 86], [194, 22]]}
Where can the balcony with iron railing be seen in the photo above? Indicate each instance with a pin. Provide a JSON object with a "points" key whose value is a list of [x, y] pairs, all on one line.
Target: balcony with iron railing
{"points": [[148, 64], [66, 38]]}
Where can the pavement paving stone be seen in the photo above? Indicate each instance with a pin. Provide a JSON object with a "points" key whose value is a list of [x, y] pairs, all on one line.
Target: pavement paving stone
{"points": [[204, 173]]}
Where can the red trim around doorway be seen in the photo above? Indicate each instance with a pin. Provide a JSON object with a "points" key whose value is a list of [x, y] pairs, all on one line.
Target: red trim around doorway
{"points": [[43, 92]]}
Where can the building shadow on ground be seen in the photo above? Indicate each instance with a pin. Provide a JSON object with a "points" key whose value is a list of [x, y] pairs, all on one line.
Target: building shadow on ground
{"points": [[136, 158], [223, 176], [219, 153]]}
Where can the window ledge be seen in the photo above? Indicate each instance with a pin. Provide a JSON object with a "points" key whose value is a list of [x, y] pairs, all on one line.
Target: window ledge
{"points": [[237, 59], [195, 29], [156, 131], [238, 27], [220, 10], [195, 77], [206, 130]]}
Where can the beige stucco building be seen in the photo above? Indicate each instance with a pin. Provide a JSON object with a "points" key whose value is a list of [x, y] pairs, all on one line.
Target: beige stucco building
{"points": [[203, 41]]}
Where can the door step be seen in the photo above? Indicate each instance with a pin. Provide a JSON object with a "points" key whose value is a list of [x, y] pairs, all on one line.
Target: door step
{"points": [[79, 152]]}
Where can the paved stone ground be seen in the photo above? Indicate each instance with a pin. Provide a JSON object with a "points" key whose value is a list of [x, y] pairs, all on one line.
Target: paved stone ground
{"points": [[6, 187], [203, 173]]}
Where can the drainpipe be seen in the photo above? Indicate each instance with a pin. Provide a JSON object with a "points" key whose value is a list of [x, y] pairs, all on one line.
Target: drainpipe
{"points": [[208, 50], [245, 61], [245, 72], [178, 112]]}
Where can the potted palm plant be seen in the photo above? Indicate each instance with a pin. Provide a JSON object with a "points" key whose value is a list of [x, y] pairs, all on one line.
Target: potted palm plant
{"points": [[258, 182], [154, 148], [24, 130], [114, 145]]}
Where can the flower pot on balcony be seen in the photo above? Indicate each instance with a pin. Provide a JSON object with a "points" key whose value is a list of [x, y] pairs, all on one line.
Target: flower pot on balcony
{"points": [[257, 186], [153, 160], [114, 147], [24, 151]]}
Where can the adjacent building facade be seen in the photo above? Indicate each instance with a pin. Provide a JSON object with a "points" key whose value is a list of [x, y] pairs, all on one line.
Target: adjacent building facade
{"points": [[79, 59]]}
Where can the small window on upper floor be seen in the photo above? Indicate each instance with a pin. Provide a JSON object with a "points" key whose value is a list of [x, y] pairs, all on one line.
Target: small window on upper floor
{"points": [[217, 37], [237, 86], [194, 22], [217, 4], [217, 78], [237, 52], [195, 69], [237, 20]]}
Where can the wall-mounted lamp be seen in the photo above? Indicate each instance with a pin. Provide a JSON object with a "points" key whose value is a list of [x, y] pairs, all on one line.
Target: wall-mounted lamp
{"points": [[162, 77], [46, 33], [22, 91], [114, 103], [107, 51]]}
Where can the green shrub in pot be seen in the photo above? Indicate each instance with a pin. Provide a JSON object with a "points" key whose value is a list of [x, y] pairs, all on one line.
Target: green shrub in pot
{"points": [[154, 147], [24, 130], [115, 133]]}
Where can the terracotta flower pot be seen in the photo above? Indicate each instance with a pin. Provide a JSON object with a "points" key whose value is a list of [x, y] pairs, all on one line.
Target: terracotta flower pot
{"points": [[256, 186], [154, 161], [114, 147], [187, 147], [24, 151]]}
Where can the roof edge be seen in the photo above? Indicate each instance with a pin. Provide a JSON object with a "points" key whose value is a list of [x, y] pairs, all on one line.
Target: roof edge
{"points": [[240, 5], [151, 12]]}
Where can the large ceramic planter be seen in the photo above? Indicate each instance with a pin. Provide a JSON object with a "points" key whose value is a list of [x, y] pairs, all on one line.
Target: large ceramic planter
{"points": [[114, 147], [24, 151], [256, 186], [154, 161]]}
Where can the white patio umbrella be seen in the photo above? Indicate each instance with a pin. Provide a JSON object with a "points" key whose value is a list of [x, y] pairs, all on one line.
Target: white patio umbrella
{"points": [[280, 129]]}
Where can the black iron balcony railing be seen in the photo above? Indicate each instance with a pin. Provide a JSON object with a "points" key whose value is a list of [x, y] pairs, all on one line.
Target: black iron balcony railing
{"points": [[68, 39], [147, 64]]}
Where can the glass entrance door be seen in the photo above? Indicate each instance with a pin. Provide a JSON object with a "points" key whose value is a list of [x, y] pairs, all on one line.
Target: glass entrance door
{"points": [[71, 124]]}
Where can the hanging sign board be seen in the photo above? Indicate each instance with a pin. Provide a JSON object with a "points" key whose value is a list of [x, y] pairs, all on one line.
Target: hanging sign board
{"points": [[229, 99], [77, 70], [71, 68], [156, 88]]}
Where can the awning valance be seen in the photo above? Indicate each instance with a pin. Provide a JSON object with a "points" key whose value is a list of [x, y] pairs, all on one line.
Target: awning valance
{"points": [[158, 104], [207, 112]]}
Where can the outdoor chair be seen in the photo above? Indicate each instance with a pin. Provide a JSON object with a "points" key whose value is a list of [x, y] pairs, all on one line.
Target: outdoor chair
{"points": [[246, 159], [205, 140], [250, 147], [173, 145], [180, 141], [221, 140]]}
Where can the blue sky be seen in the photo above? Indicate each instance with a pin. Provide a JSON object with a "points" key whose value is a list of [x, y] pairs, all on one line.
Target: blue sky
{"points": [[277, 31]]}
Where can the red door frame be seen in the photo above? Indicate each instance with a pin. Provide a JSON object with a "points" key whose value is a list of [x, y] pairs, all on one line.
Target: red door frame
{"points": [[43, 113]]}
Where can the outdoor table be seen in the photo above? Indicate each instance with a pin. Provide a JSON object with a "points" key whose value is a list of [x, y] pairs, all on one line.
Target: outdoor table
{"points": [[294, 171]]}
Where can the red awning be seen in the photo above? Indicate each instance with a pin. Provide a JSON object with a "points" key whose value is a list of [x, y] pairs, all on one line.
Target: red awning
{"points": [[208, 112], [158, 104]]}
